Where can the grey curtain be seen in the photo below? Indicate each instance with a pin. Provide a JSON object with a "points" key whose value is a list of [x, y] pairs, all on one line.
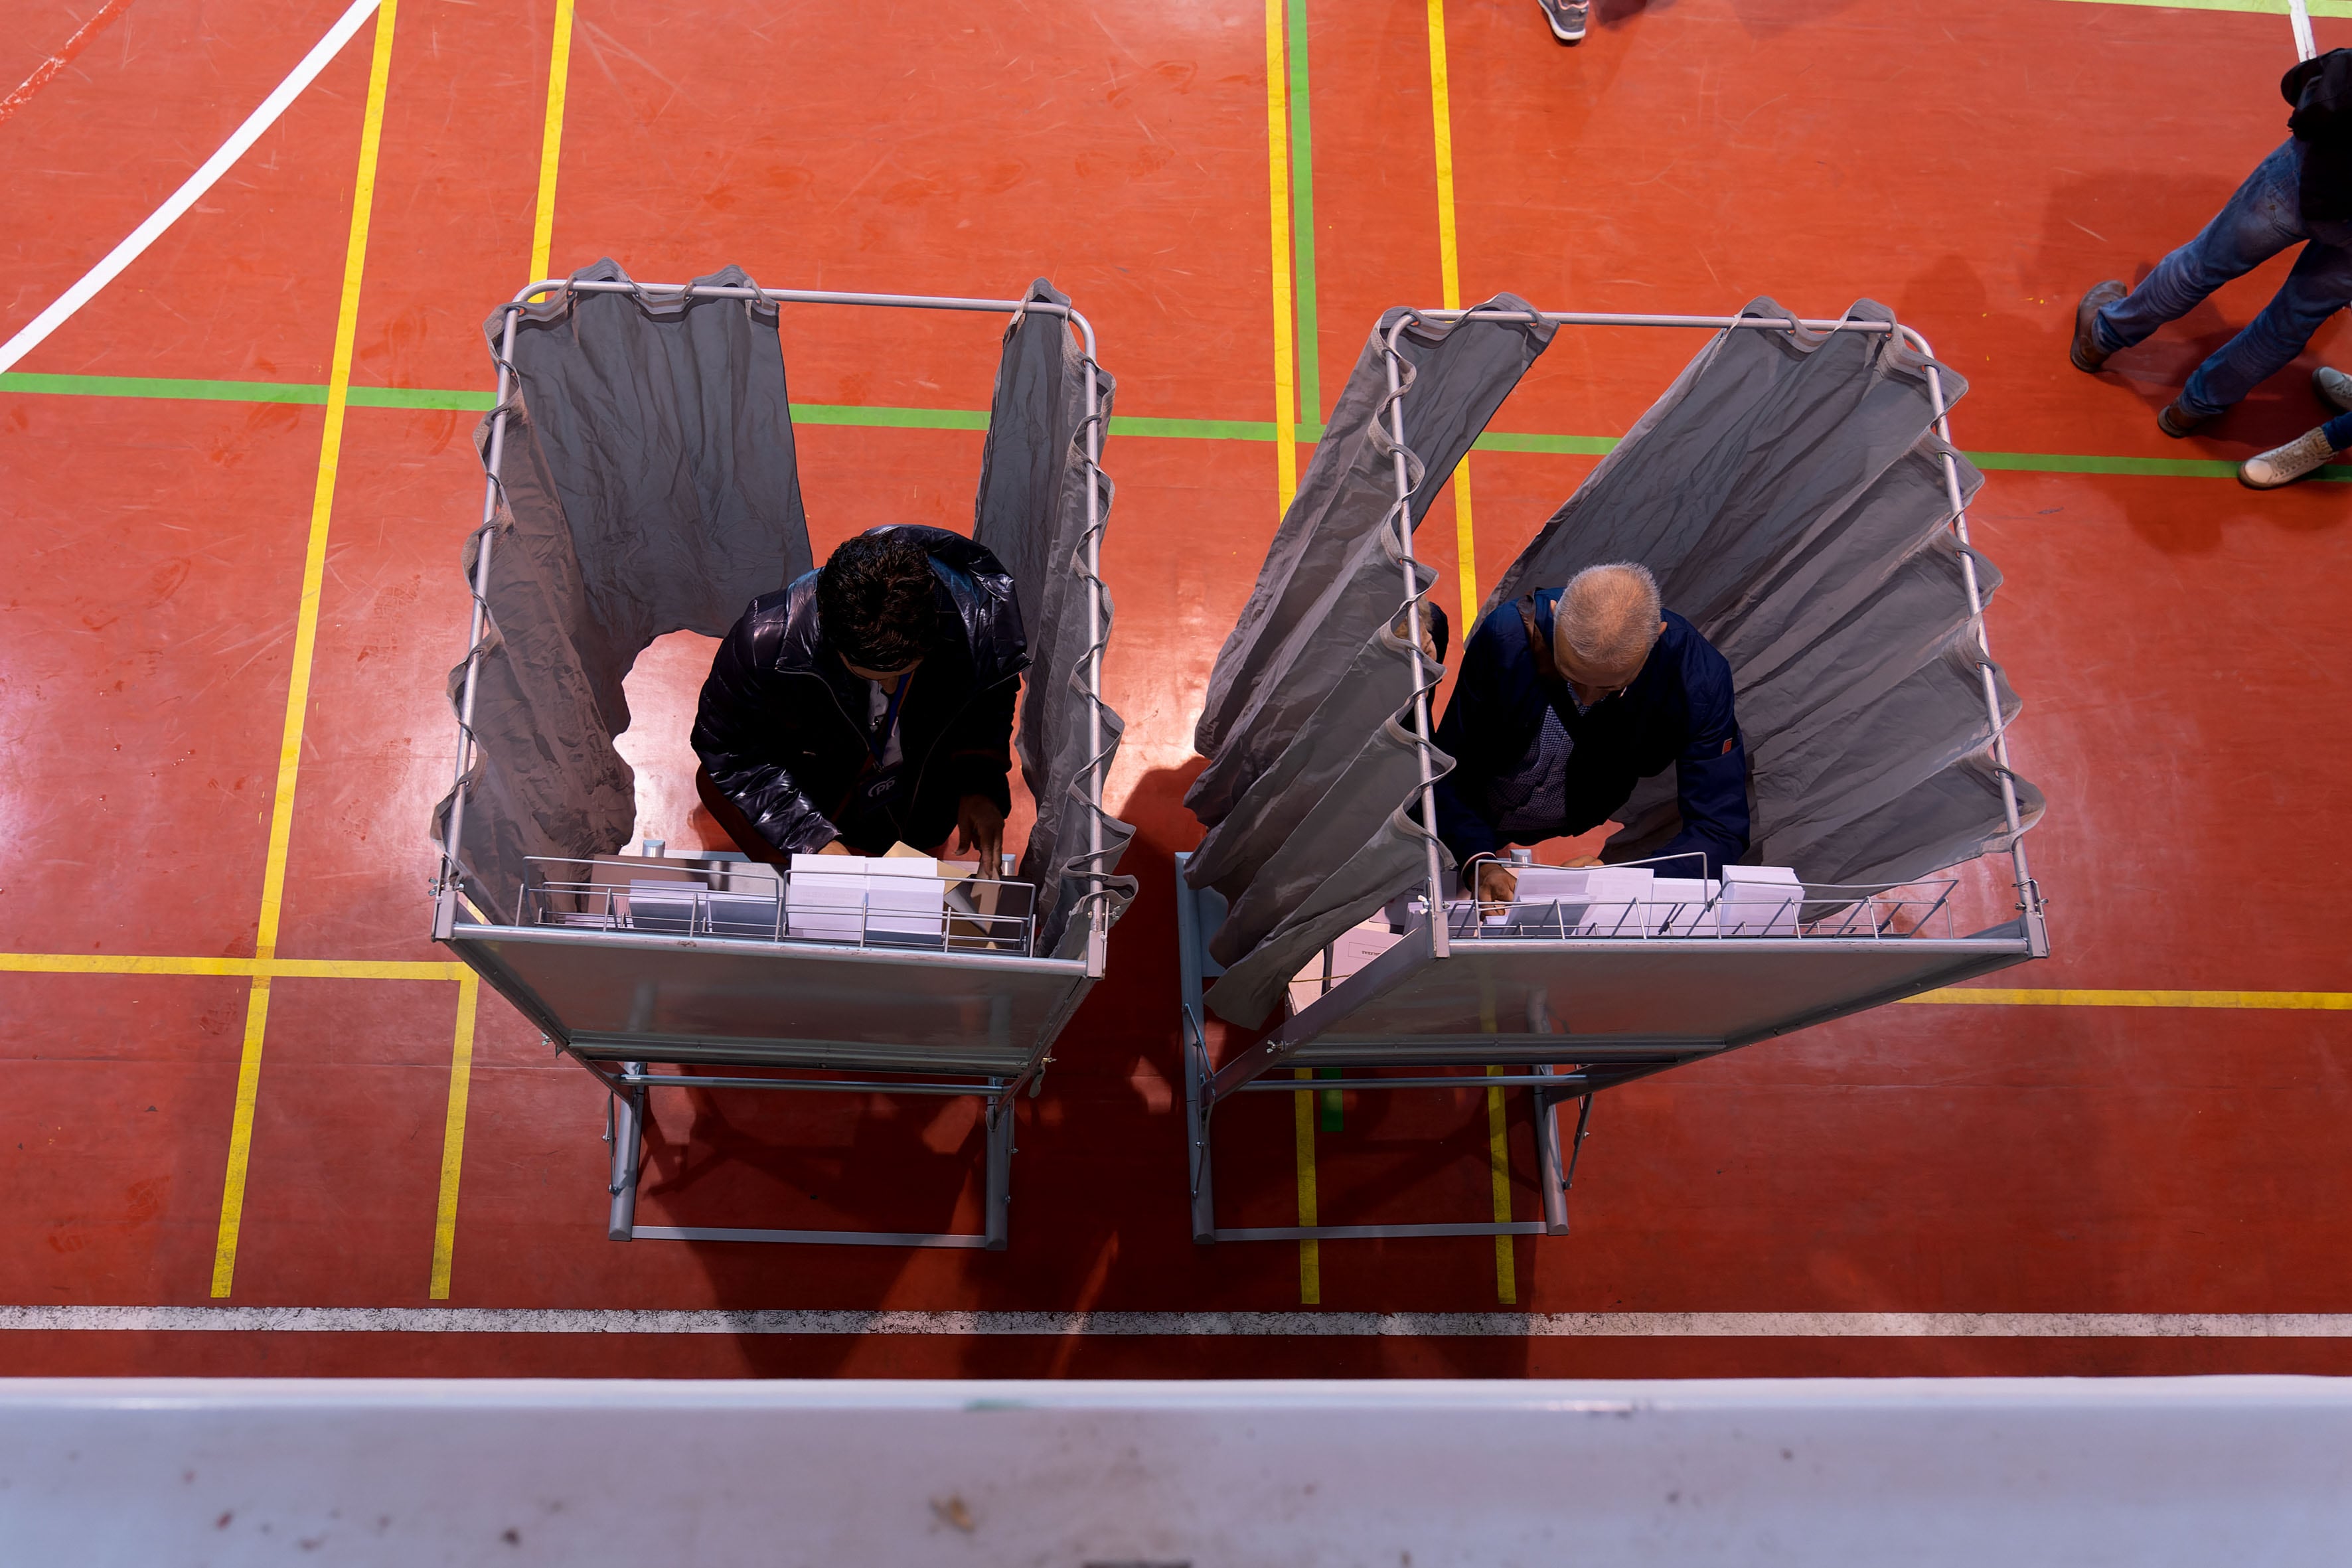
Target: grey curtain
{"points": [[1788, 490], [1309, 772], [648, 485], [1456, 376], [1032, 512]]}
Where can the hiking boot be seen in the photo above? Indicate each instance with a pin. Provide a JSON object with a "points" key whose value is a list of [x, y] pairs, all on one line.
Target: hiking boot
{"points": [[2335, 388], [2086, 354], [2176, 421], [1567, 18], [2299, 458]]}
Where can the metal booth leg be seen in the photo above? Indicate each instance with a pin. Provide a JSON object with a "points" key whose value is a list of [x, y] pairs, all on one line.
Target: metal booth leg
{"points": [[999, 1186], [1547, 1162], [1196, 1132], [1555, 1176], [628, 1134]]}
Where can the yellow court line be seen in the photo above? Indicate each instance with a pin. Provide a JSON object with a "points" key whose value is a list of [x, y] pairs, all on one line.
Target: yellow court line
{"points": [[306, 641], [1310, 1252], [1285, 467], [1465, 574], [1277, 148], [237, 968], [2000, 996], [550, 144], [453, 1138], [1498, 1163], [1449, 262]]}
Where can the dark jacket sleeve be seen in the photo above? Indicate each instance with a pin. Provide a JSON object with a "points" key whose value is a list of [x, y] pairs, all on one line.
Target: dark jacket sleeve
{"points": [[1711, 774], [979, 746], [1463, 734], [741, 746]]}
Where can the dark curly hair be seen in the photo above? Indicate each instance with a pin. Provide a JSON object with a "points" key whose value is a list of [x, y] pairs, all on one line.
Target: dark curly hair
{"points": [[877, 602]]}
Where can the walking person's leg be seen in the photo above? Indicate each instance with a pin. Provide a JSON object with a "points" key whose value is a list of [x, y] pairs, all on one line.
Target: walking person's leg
{"points": [[2261, 219], [2319, 286]]}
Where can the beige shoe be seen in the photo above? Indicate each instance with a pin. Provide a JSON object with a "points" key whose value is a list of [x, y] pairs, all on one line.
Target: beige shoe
{"points": [[2304, 456], [2334, 387]]}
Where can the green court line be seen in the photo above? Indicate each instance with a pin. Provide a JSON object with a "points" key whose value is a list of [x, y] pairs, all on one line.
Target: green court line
{"points": [[895, 418], [2265, 7], [237, 391], [1302, 231], [1573, 446], [977, 419]]}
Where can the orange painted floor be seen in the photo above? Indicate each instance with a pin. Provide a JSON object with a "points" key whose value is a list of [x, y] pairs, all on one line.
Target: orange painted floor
{"points": [[2180, 644]]}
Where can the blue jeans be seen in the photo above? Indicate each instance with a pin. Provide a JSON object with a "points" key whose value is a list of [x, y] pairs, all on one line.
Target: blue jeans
{"points": [[2263, 218]]}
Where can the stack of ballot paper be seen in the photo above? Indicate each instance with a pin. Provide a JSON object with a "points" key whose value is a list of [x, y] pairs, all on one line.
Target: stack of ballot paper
{"points": [[685, 907], [1759, 901], [1585, 901], [898, 900]]}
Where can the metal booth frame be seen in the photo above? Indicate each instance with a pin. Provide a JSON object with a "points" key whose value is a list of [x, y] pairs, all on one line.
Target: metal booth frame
{"points": [[1435, 1003], [853, 1018]]}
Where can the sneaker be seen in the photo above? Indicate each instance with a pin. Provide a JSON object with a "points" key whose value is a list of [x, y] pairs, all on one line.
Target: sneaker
{"points": [[1567, 18], [2335, 388], [2086, 354], [2299, 458], [2176, 421]]}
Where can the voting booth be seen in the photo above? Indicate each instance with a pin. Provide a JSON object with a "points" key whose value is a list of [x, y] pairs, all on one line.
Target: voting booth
{"points": [[641, 479], [1798, 497]]}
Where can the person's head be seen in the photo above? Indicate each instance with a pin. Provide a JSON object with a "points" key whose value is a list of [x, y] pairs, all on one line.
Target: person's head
{"points": [[875, 602], [1607, 620]]}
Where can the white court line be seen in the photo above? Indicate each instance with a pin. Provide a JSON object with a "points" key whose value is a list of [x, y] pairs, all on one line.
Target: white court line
{"points": [[186, 196], [1231, 1325]]}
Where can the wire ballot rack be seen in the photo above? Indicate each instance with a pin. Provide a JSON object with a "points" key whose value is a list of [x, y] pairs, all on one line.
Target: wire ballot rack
{"points": [[1563, 1000], [709, 970]]}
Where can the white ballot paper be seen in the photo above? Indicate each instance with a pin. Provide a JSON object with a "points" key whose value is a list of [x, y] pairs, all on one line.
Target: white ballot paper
{"points": [[1759, 901]]}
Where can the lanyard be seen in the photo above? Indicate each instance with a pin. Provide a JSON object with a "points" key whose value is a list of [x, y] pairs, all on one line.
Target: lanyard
{"points": [[889, 719]]}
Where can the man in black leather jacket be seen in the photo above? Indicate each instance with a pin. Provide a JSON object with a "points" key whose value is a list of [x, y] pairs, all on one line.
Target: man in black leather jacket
{"points": [[869, 702]]}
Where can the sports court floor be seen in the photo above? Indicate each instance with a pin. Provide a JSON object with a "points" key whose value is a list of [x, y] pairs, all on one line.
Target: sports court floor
{"points": [[235, 483]]}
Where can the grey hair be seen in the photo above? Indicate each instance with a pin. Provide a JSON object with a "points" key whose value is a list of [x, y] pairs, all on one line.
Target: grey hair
{"points": [[1609, 614]]}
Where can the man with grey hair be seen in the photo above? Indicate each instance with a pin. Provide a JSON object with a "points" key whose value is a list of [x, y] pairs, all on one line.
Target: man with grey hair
{"points": [[1569, 698]]}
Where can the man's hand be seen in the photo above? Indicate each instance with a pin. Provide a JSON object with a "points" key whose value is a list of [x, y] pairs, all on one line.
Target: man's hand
{"points": [[1497, 885], [836, 848], [980, 826]]}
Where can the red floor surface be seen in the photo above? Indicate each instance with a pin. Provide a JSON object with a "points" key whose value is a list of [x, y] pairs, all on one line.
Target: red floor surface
{"points": [[2179, 642]]}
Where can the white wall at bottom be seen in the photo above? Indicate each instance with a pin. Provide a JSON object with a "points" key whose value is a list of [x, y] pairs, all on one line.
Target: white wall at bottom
{"points": [[1990, 1473]]}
